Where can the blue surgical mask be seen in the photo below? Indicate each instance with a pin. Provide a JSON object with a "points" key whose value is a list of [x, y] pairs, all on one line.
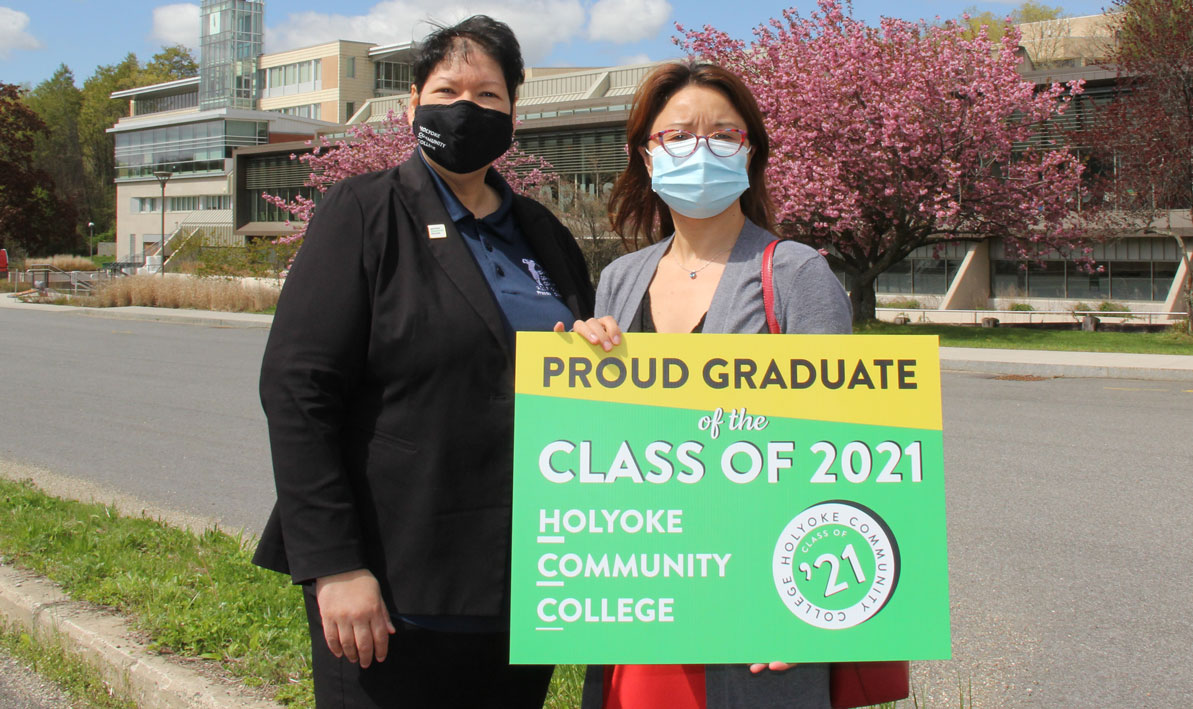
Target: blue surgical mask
{"points": [[702, 185]]}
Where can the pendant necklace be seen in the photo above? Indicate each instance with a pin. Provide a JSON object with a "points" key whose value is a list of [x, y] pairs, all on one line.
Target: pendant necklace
{"points": [[692, 272]]}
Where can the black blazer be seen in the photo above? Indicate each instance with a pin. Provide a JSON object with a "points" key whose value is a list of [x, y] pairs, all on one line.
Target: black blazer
{"points": [[388, 385]]}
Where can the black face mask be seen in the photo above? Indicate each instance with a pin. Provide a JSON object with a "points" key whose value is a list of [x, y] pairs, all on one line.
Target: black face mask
{"points": [[462, 136]]}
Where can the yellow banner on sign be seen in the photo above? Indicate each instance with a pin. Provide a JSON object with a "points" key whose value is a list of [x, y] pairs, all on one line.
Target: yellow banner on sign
{"points": [[885, 380]]}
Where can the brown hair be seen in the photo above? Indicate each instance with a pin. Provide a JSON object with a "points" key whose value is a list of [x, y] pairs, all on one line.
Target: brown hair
{"points": [[635, 211]]}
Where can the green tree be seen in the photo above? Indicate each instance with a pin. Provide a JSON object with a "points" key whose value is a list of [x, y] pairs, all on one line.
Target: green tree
{"points": [[1029, 11], [57, 151], [176, 62], [32, 218], [97, 114]]}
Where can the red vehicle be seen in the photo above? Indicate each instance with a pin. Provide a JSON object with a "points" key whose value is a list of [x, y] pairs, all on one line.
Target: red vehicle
{"points": [[3, 263]]}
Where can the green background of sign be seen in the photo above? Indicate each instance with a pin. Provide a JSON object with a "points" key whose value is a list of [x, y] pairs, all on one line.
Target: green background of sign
{"points": [[740, 618]]}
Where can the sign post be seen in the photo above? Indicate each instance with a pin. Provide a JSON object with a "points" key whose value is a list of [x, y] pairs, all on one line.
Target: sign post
{"points": [[728, 498]]}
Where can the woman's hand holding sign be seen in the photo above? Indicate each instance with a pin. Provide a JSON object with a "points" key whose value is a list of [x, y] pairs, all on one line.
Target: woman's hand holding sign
{"points": [[602, 331], [772, 666]]}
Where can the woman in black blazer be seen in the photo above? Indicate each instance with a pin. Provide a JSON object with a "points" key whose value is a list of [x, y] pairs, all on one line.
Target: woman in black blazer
{"points": [[388, 385]]}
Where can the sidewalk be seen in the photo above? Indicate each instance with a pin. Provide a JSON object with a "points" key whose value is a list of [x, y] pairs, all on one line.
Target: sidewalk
{"points": [[1050, 363], [137, 312], [1043, 363], [1040, 363]]}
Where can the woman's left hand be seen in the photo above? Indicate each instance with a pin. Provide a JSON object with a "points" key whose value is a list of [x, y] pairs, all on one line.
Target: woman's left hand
{"points": [[772, 666]]}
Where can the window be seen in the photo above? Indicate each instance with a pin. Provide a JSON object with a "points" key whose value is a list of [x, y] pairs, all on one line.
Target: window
{"points": [[186, 148], [143, 205], [1132, 269], [392, 76], [351, 110], [183, 204], [293, 78], [350, 68], [310, 110]]}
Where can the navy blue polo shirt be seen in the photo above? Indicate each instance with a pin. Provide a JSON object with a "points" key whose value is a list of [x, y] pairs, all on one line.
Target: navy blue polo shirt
{"points": [[528, 300], [526, 295]]}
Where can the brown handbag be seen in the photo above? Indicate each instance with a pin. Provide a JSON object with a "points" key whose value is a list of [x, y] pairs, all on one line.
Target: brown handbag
{"points": [[851, 684]]}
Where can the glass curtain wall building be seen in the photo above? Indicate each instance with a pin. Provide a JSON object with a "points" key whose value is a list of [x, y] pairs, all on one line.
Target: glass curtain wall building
{"points": [[184, 149], [231, 40]]}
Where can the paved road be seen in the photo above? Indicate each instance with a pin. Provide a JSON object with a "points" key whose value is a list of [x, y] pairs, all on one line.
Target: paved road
{"points": [[1069, 498], [1069, 521], [167, 412]]}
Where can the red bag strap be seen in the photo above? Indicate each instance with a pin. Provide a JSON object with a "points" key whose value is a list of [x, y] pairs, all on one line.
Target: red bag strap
{"points": [[768, 286]]}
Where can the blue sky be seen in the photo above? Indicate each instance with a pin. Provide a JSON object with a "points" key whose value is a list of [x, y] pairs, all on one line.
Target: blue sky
{"points": [[35, 37]]}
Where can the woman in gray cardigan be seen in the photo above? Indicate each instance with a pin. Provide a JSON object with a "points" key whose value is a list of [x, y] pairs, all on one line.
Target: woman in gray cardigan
{"points": [[697, 172]]}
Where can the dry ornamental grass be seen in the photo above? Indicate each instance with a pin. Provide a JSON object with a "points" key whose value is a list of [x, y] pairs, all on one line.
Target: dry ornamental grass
{"points": [[187, 292], [63, 262]]}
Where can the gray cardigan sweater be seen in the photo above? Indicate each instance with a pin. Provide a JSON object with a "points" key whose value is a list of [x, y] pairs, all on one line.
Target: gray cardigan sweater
{"points": [[808, 297]]}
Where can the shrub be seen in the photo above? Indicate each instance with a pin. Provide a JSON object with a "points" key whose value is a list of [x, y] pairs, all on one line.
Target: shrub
{"points": [[1022, 307], [259, 258], [902, 304]]}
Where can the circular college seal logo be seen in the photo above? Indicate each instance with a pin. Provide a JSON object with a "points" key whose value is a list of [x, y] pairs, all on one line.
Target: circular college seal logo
{"points": [[836, 565]]}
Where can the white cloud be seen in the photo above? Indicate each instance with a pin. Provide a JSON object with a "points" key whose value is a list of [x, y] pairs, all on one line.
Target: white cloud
{"points": [[14, 32], [623, 21], [640, 58], [176, 24], [539, 24]]}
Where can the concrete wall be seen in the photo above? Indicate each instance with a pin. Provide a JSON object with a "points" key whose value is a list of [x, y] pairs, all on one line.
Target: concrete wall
{"points": [[1176, 302], [133, 231], [971, 287], [335, 88]]}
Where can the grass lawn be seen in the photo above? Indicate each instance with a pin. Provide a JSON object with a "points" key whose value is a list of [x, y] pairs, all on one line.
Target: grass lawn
{"points": [[1019, 338], [195, 596]]}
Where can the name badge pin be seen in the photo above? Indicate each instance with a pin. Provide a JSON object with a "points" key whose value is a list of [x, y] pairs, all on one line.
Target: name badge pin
{"points": [[436, 231]]}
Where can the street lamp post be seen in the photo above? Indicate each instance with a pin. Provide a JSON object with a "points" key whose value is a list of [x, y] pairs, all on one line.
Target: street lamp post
{"points": [[163, 176], [91, 238]]}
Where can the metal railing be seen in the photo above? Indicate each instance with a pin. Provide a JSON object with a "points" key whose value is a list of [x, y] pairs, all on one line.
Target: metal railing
{"points": [[48, 277]]}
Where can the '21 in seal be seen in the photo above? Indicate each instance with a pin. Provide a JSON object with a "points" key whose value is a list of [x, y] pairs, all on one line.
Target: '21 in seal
{"points": [[836, 565]]}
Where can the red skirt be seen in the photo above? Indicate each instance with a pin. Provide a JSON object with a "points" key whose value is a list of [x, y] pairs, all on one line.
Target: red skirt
{"points": [[653, 686]]}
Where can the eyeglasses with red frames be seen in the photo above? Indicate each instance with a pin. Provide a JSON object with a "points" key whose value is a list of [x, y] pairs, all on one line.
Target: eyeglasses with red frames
{"points": [[678, 143]]}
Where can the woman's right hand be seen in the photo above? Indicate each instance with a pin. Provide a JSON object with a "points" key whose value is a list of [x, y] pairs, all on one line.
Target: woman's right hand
{"points": [[603, 331], [356, 623]]}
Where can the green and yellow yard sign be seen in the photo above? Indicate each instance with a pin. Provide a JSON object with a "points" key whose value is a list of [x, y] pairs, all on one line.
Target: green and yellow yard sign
{"points": [[728, 498]]}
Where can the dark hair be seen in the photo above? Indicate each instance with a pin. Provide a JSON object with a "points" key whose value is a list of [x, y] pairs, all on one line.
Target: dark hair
{"points": [[495, 38], [635, 211]]}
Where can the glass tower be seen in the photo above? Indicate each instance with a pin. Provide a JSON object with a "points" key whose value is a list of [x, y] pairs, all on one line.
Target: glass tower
{"points": [[231, 36]]}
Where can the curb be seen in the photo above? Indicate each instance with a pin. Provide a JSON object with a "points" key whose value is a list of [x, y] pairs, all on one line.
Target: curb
{"points": [[179, 318], [106, 642], [1066, 370], [210, 318]]}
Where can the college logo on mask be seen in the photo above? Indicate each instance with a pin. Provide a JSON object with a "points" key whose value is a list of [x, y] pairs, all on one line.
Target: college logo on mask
{"points": [[542, 282]]}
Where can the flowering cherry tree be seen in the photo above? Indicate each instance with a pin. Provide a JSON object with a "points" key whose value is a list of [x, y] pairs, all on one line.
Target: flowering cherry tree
{"points": [[886, 139], [368, 149], [1144, 138]]}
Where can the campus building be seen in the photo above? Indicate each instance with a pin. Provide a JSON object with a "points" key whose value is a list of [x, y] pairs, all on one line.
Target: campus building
{"points": [[1144, 273], [184, 132], [226, 156]]}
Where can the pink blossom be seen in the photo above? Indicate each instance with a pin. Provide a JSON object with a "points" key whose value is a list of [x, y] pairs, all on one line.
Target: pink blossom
{"points": [[368, 149], [885, 139]]}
